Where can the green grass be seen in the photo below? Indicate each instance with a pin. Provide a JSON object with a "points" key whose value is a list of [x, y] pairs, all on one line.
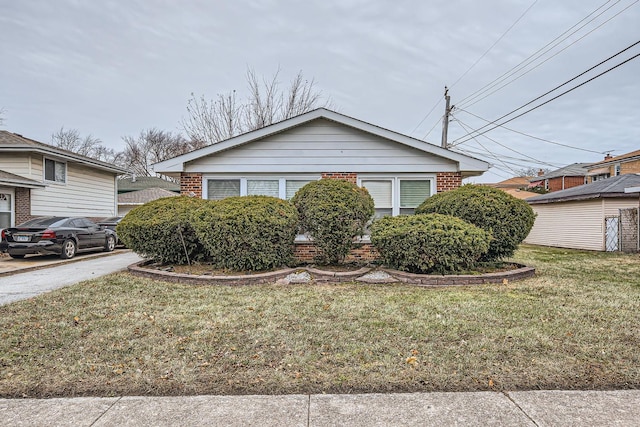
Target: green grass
{"points": [[574, 326]]}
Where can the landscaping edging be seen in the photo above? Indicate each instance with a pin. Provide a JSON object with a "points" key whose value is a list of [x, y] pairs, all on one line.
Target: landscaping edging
{"points": [[308, 275]]}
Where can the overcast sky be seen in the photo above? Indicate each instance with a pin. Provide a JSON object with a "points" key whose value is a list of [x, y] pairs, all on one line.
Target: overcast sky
{"points": [[114, 68]]}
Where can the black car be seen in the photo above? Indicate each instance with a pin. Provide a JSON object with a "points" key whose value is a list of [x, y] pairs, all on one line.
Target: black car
{"points": [[111, 224], [62, 236]]}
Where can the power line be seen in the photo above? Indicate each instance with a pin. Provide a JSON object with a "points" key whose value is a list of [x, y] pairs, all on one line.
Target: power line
{"points": [[545, 61], [428, 114], [544, 103], [533, 137], [494, 44], [536, 54]]}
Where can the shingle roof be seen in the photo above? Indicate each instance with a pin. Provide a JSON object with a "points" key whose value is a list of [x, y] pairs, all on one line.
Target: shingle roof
{"points": [[515, 182], [610, 187], [7, 178], [143, 182], [627, 156], [141, 197], [12, 142], [576, 169]]}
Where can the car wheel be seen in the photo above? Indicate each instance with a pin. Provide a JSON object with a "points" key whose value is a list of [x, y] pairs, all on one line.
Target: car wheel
{"points": [[16, 256], [68, 249], [110, 244]]}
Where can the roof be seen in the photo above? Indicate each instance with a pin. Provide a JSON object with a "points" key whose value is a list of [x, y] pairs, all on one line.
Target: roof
{"points": [[515, 182], [142, 182], [634, 155], [465, 163], [141, 197], [576, 169], [606, 188], [519, 194], [12, 180], [12, 142]]}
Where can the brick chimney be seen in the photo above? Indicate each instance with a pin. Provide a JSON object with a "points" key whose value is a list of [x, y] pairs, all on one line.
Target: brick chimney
{"points": [[540, 172]]}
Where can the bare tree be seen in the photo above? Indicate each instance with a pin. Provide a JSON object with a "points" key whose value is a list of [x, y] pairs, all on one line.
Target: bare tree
{"points": [[1, 118], [152, 146], [224, 117], [532, 171], [89, 146]]}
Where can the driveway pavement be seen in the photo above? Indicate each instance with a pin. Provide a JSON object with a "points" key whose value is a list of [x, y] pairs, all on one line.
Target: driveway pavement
{"points": [[26, 278]]}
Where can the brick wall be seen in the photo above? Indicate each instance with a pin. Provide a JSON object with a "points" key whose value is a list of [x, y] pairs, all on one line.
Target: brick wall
{"points": [[446, 181], [361, 252], [346, 176], [629, 167], [191, 184], [555, 184], [23, 205]]}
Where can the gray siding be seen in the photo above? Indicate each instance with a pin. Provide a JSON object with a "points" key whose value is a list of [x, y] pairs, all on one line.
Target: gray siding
{"points": [[322, 146]]}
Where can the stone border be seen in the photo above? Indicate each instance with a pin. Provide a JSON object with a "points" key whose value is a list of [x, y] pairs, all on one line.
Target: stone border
{"points": [[313, 275]]}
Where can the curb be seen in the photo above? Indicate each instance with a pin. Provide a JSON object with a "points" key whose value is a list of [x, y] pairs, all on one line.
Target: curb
{"points": [[291, 276], [83, 257]]}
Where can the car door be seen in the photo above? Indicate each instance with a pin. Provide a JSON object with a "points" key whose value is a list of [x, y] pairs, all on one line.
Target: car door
{"points": [[82, 233], [97, 233]]}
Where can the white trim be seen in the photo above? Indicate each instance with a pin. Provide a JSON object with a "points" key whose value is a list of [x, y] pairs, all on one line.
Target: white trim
{"points": [[395, 184], [282, 179], [465, 163], [12, 206], [44, 171]]}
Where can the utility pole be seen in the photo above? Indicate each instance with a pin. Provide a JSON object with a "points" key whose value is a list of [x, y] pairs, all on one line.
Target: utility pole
{"points": [[445, 119]]}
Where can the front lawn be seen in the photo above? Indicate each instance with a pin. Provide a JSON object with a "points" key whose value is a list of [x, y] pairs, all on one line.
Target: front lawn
{"points": [[574, 326]]}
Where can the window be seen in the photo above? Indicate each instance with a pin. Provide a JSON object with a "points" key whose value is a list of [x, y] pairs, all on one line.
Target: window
{"points": [[617, 169], [5, 210], [397, 195], [55, 171], [381, 192], [269, 187], [284, 188], [412, 194], [218, 189]]}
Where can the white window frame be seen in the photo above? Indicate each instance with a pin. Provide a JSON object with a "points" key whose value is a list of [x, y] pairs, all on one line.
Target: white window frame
{"points": [[44, 171], [395, 185], [282, 179], [12, 205]]}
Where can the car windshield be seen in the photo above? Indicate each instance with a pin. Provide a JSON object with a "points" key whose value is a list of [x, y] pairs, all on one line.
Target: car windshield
{"points": [[43, 222]]}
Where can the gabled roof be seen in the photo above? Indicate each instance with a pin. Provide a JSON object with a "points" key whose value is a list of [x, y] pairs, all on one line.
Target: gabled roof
{"points": [[634, 155], [141, 197], [12, 142], [177, 164], [12, 180], [142, 182], [515, 182], [576, 169], [519, 194], [610, 187]]}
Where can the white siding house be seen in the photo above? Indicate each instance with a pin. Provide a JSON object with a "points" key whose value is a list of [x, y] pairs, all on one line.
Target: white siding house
{"points": [[41, 180], [577, 217], [399, 171]]}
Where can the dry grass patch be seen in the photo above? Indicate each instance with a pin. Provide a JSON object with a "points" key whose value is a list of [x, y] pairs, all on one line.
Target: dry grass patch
{"points": [[573, 326]]}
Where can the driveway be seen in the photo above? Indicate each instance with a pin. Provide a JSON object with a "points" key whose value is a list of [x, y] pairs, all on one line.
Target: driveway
{"points": [[46, 274]]}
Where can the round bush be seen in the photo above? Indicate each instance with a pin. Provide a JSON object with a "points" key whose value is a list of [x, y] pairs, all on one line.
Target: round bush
{"points": [[247, 233], [333, 212], [428, 243], [161, 230], [508, 219]]}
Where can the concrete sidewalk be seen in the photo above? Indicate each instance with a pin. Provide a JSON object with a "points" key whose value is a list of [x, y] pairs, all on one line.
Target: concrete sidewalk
{"points": [[528, 408]]}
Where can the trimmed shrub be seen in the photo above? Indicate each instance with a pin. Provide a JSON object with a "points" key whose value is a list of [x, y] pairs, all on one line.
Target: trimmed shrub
{"points": [[508, 219], [247, 233], [428, 243], [161, 230], [333, 212]]}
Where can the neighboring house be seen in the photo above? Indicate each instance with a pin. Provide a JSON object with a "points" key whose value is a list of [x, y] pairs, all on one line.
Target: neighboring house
{"points": [[563, 178], [37, 179], [400, 172], [135, 183], [585, 217], [614, 166], [515, 186], [131, 199]]}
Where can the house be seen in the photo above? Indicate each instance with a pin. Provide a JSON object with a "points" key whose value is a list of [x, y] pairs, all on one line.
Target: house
{"points": [[400, 172], [515, 186], [131, 199], [38, 179], [562, 179], [614, 166], [586, 216]]}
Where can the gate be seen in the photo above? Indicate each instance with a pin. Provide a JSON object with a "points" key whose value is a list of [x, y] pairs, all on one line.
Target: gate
{"points": [[629, 230], [612, 233]]}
